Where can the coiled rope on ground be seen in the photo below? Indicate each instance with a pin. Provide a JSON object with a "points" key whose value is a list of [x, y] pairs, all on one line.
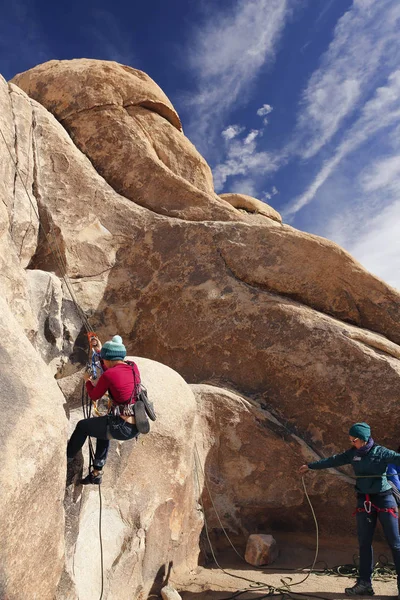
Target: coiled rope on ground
{"points": [[383, 569]]}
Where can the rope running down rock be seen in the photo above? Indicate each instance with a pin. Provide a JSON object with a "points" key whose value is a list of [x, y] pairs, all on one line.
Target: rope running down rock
{"points": [[63, 271]]}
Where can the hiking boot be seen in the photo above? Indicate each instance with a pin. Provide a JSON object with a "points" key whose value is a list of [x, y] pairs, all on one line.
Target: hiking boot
{"points": [[362, 588], [92, 479]]}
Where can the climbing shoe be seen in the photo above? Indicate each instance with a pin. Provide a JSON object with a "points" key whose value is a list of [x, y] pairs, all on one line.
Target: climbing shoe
{"points": [[362, 588], [141, 419], [92, 479]]}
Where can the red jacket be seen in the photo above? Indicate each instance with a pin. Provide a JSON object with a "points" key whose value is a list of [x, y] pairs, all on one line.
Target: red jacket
{"points": [[119, 380]]}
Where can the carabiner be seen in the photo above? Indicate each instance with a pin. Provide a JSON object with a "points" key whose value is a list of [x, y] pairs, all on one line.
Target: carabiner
{"points": [[367, 506]]}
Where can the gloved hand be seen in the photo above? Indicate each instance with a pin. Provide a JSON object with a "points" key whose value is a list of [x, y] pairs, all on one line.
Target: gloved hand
{"points": [[87, 376], [95, 344]]}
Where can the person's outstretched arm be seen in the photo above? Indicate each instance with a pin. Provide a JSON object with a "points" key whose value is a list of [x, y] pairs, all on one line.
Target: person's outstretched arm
{"points": [[337, 460], [390, 456]]}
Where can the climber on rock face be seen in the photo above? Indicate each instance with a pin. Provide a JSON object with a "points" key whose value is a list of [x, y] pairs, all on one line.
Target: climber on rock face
{"points": [[375, 500], [121, 380]]}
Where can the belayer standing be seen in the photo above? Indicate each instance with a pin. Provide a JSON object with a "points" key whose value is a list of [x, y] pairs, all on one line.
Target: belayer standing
{"points": [[122, 381], [375, 500]]}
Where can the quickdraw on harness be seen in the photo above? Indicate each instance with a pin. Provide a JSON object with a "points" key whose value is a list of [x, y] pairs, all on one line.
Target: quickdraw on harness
{"points": [[368, 506]]}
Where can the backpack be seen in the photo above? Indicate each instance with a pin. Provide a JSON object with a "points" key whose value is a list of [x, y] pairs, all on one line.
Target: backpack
{"points": [[143, 409]]}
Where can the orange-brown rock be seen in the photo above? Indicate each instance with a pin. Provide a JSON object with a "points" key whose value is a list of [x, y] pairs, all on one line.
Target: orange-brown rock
{"points": [[148, 250], [251, 461], [91, 84], [252, 205], [261, 549], [123, 121], [297, 265], [263, 307], [32, 468]]}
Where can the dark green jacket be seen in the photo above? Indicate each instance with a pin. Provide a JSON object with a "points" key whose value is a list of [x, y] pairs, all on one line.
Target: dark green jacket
{"points": [[373, 463]]}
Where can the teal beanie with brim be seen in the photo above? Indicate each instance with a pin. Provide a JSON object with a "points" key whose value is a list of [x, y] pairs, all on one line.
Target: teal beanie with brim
{"points": [[362, 431], [113, 349]]}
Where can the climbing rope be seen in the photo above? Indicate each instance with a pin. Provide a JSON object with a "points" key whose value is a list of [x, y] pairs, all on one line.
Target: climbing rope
{"points": [[285, 590], [56, 251], [87, 409], [383, 569], [101, 543], [57, 254]]}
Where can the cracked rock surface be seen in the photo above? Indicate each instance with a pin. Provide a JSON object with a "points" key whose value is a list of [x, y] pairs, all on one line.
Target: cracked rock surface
{"points": [[246, 308]]}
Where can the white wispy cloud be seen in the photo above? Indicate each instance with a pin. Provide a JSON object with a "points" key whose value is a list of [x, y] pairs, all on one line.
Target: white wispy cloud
{"points": [[265, 110], [268, 195], [377, 244], [377, 247], [245, 186], [382, 111], [350, 109], [368, 227], [242, 158], [384, 176], [232, 131], [226, 53], [365, 46], [326, 6]]}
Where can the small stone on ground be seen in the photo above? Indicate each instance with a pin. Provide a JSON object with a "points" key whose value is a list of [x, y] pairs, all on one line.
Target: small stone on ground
{"points": [[261, 549]]}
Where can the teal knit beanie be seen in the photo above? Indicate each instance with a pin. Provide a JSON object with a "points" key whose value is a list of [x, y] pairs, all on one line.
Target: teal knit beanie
{"points": [[113, 349], [362, 431]]}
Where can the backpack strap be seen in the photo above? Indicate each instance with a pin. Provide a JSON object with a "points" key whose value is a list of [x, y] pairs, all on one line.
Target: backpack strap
{"points": [[126, 407], [136, 385]]}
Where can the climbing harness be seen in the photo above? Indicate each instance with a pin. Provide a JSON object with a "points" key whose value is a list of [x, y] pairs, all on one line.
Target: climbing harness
{"points": [[368, 506]]}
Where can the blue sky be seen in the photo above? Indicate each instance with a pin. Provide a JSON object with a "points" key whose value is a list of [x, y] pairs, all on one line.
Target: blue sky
{"points": [[295, 102]]}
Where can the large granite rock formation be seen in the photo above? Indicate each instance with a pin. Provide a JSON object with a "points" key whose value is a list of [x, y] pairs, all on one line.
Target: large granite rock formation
{"points": [[132, 230], [250, 460], [33, 434], [128, 110]]}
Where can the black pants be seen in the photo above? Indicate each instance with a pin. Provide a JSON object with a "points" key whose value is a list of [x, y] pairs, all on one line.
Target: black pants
{"points": [[104, 429]]}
